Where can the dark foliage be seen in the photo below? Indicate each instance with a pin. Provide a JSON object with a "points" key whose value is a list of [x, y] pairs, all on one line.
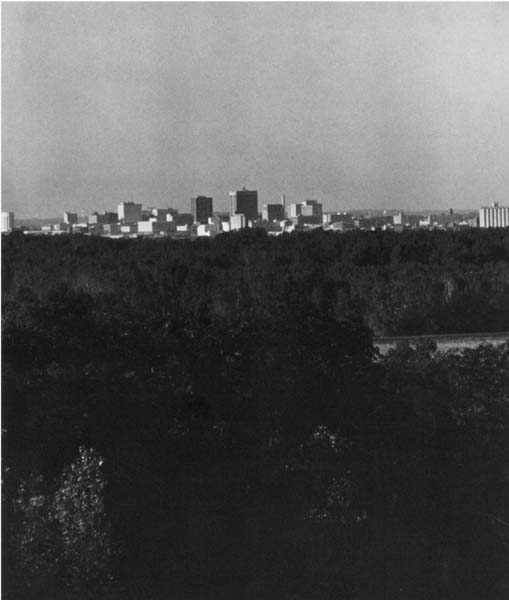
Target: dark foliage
{"points": [[254, 444]]}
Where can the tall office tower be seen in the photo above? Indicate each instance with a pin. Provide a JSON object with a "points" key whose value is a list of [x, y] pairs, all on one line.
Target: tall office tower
{"points": [[129, 212], [245, 203], [273, 212], [494, 216], [70, 218], [7, 222], [201, 209]]}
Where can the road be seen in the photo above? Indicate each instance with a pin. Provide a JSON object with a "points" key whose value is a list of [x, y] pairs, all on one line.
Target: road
{"points": [[445, 341]]}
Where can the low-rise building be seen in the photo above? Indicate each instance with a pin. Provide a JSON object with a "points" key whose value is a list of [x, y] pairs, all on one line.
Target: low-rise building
{"points": [[111, 229], [207, 230], [154, 227], [181, 219], [237, 222]]}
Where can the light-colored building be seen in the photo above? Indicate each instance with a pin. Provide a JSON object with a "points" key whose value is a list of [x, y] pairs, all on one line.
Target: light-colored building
{"points": [[237, 222], [206, 230], [494, 216], [7, 223], [129, 212], [398, 218], [154, 227], [310, 212]]}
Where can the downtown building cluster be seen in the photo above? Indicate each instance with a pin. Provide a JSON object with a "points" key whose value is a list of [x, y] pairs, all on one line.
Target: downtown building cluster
{"points": [[133, 220]]}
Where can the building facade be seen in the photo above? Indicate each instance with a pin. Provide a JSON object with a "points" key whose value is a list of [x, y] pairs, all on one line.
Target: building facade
{"points": [[129, 212], [494, 216], [102, 219], [273, 212], [201, 209], [155, 227], [244, 202], [70, 218], [7, 222], [237, 222], [308, 212]]}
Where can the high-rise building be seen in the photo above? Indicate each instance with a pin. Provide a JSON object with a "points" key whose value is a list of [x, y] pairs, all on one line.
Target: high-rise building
{"points": [[70, 218], [494, 216], [129, 212], [273, 212], [201, 209], [244, 202], [7, 222]]}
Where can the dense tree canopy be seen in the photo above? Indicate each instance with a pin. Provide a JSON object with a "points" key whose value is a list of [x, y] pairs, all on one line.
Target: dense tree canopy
{"points": [[252, 443]]}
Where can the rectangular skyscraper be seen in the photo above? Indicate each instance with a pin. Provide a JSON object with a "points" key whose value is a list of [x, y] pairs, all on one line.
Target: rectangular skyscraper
{"points": [[70, 218], [7, 222], [129, 212], [201, 209], [273, 212], [244, 202]]}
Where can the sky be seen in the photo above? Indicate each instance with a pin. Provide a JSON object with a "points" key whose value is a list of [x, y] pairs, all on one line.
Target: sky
{"points": [[358, 105]]}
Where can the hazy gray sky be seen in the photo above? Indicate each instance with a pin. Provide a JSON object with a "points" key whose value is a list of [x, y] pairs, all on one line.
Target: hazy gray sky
{"points": [[355, 104]]}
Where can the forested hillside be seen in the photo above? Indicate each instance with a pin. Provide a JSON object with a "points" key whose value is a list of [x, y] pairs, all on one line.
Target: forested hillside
{"points": [[210, 419]]}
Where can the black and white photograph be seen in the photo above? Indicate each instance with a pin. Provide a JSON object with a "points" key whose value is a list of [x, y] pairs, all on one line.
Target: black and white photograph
{"points": [[255, 300]]}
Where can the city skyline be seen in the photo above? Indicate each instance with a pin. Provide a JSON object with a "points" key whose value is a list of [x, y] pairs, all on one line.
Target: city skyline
{"points": [[397, 106]]}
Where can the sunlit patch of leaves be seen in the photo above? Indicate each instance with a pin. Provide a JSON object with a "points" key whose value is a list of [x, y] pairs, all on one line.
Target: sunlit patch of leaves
{"points": [[62, 536]]}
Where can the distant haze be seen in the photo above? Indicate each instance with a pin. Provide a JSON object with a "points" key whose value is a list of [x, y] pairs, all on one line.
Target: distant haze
{"points": [[354, 104]]}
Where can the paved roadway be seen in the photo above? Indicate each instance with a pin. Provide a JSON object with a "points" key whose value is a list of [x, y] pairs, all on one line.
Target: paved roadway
{"points": [[445, 341]]}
